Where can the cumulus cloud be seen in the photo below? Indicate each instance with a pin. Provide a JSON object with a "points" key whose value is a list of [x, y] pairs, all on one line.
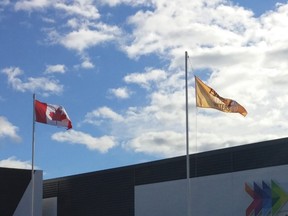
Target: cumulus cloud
{"points": [[86, 63], [168, 143], [48, 20], [7, 129], [156, 129], [241, 56], [83, 38], [45, 85], [101, 144], [122, 93], [189, 23], [30, 5], [84, 8], [114, 3], [102, 114], [83, 29], [146, 79], [58, 68], [13, 162], [4, 2]]}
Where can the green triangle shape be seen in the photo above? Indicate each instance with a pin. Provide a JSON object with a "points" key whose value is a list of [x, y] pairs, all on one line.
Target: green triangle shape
{"points": [[279, 197]]}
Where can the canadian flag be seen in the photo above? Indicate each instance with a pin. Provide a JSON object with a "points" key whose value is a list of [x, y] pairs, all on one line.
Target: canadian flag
{"points": [[51, 114]]}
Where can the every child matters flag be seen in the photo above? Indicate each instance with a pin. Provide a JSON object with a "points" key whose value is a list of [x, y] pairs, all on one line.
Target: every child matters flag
{"points": [[207, 97]]}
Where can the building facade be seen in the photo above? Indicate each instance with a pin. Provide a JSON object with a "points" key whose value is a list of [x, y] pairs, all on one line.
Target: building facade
{"points": [[16, 192], [245, 180]]}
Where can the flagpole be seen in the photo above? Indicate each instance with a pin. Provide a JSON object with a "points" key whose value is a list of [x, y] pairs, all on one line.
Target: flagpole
{"points": [[187, 140], [33, 149]]}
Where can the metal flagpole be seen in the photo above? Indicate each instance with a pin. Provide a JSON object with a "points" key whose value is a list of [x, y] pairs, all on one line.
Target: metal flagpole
{"points": [[187, 140], [33, 148]]}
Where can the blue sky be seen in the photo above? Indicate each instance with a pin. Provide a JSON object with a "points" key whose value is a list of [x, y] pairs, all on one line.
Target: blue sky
{"points": [[117, 66]]}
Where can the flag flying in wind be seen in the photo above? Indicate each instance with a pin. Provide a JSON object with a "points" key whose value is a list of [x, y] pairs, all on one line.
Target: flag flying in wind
{"points": [[207, 97], [51, 114]]}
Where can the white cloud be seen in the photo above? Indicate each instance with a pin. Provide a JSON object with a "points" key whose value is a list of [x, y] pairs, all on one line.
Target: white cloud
{"points": [[13, 162], [45, 85], [7, 129], [246, 58], [82, 29], [146, 79], [48, 20], [241, 56], [4, 2], [101, 144], [168, 143], [189, 23], [87, 64], [30, 5], [142, 128], [85, 38], [58, 68], [74, 23], [122, 93], [97, 116], [83, 8], [114, 3]]}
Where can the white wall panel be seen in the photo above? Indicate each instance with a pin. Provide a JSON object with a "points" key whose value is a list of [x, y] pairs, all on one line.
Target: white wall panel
{"points": [[222, 194]]}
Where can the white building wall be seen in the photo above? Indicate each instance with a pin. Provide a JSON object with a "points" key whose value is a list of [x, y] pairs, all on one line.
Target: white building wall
{"points": [[25, 205], [222, 194]]}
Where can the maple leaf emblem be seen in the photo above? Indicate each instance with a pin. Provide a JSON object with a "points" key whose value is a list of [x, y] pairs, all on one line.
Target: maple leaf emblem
{"points": [[58, 115]]}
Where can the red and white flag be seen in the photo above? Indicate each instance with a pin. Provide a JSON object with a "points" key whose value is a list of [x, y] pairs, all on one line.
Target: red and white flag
{"points": [[52, 115]]}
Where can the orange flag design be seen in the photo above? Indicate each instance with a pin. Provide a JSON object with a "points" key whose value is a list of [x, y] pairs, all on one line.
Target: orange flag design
{"points": [[207, 97]]}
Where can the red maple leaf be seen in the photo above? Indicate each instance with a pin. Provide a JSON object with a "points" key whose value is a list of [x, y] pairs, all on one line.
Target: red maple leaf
{"points": [[58, 115]]}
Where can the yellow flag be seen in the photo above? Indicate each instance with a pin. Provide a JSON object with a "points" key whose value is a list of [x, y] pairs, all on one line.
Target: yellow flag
{"points": [[207, 97]]}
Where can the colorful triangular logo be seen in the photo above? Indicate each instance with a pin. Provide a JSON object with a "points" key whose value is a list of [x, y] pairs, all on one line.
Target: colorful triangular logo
{"points": [[267, 200]]}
